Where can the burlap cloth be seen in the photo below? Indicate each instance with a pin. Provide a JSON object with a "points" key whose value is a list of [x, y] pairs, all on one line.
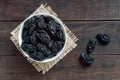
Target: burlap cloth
{"points": [[44, 67]]}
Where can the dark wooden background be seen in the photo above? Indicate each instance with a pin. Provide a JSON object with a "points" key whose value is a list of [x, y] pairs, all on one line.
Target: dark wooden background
{"points": [[85, 18]]}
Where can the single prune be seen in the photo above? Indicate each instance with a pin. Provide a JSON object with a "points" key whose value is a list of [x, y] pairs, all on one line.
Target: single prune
{"points": [[44, 37], [28, 47], [40, 22], [33, 19], [57, 46], [52, 28], [26, 39], [60, 35], [58, 27], [50, 44], [31, 30], [103, 38], [33, 38], [29, 23], [37, 56], [25, 33], [86, 59], [43, 49], [91, 45], [47, 19]]}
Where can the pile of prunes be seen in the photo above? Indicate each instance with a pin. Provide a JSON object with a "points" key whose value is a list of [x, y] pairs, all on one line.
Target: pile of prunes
{"points": [[42, 37], [103, 39]]}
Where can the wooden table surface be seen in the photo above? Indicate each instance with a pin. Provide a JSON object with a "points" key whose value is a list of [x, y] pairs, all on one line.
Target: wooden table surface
{"points": [[85, 18]]}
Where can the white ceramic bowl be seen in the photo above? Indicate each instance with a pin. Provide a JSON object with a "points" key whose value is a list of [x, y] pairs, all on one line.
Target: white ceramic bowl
{"points": [[20, 38]]}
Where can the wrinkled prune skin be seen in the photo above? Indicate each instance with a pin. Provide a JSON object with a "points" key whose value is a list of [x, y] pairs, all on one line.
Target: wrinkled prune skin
{"points": [[57, 46], [103, 38], [40, 22], [33, 38], [52, 27], [43, 49], [58, 27], [48, 18], [50, 44], [91, 45], [26, 40], [37, 56], [25, 33], [30, 23], [44, 37], [25, 36], [60, 35], [28, 47], [31, 30], [86, 59]]}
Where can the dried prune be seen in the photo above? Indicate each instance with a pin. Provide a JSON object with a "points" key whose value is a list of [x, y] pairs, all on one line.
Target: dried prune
{"points": [[48, 18], [86, 59], [33, 38], [40, 22], [43, 49], [29, 23], [58, 27], [31, 30], [52, 28], [28, 47], [103, 38], [37, 56], [24, 35], [60, 35], [57, 46], [44, 37], [91, 45], [26, 39], [50, 44]]}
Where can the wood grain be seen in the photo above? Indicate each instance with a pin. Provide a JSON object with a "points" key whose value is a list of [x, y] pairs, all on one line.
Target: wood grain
{"points": [[85, 18], [103, 68], [83, 30], [66, 9]]}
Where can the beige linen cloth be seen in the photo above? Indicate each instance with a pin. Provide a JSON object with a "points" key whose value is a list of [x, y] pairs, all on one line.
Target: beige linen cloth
{"points": [[71, 39]]}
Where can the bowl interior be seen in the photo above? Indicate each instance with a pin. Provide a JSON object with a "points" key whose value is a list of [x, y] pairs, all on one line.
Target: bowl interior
{"points": [[20, 38]]}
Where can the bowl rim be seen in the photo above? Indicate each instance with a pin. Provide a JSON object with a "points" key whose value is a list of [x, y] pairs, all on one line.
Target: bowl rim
{"points": [[20, 37]]}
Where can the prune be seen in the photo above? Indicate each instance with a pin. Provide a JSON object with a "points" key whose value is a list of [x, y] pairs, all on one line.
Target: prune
{"points": [[40, 22], [58, 27], [57, 46], [103, 38], [29, 23], [48, 18], [33, 38], [31, 30], [25, 34], [91, 45], [60, 35], [50, 44], [37, 56], [86, 59], [28, 47], [44, 37], [52, 28], [26, 39], [43, 49]]}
